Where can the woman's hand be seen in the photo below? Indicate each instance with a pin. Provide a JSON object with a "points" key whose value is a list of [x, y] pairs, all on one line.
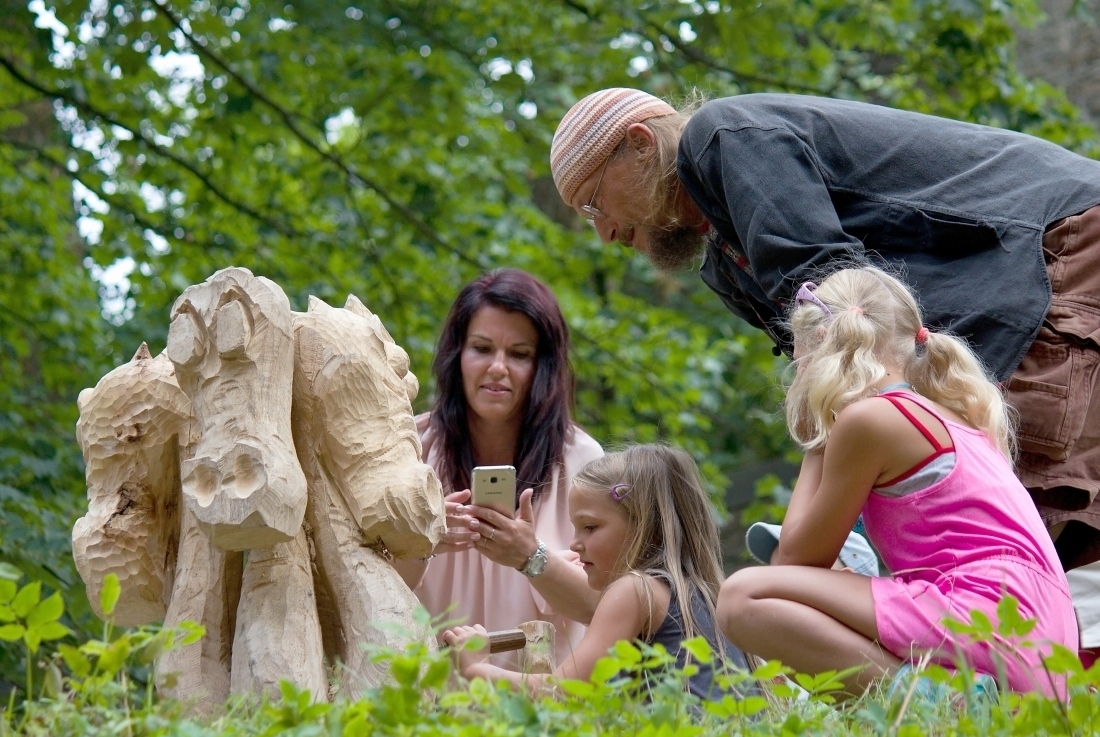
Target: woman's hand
{"points": [[508, 542], [459, 535], [468, 659]]}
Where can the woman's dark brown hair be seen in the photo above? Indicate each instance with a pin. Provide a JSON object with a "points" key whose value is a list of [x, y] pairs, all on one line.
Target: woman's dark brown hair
{"points": [[546, 415]]}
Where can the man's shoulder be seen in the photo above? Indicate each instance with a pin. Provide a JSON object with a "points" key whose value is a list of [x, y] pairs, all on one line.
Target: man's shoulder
{"points": [[762, 111], [764, 108], [729, 112]]}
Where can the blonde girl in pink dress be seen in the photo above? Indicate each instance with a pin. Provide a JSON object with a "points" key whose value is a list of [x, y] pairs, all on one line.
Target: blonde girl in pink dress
{"points": [[902, 425]]}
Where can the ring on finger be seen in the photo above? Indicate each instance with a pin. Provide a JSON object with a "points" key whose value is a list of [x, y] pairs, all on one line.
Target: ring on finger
{"points": [[491, 533]]}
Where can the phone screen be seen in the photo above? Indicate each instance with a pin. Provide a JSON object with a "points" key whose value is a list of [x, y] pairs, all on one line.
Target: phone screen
{"points": [[495, 487]]}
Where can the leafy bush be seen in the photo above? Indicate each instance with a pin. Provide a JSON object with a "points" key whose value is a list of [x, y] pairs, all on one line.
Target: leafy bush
{"points": [[635, 690]]}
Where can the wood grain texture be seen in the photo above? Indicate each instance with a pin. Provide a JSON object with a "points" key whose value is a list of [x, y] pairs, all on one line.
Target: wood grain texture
{"points": [[287, 435], [278, 635], [208, 591], [538, 655], [352, 393], [232, 345], [128, 432]]}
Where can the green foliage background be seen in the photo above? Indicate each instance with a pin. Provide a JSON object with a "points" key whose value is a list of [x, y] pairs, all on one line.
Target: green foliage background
{"points": [[394, 149]]}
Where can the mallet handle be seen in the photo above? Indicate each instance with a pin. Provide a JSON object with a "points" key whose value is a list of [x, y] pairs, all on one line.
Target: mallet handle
{"points": [[506, 640]]}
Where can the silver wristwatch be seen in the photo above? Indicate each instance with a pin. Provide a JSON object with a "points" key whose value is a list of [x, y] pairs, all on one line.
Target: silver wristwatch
{"points": [[536, 564]]}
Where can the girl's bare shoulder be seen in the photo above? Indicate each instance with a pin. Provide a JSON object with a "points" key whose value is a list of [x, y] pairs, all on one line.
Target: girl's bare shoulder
{"points": [[645, 595], [870, 414]]}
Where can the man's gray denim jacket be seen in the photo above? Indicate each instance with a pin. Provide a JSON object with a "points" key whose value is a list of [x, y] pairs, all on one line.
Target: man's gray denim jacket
{"points": [[792, 183]]}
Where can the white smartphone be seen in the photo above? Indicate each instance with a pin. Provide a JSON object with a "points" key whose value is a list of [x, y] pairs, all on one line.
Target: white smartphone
{"points": [[495, 487]]}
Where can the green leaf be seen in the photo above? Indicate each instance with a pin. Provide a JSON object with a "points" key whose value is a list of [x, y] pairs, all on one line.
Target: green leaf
{"points": [[8, 572], [1063, 660], [54, 683], [11, 632], [700, 649], [6, 614], [731, 707], [108, 596], [436, 674], [94, 647], [578, 689], [769, 670], [405, 670], [26, 599], [605, 669], [1009, 622], [192, 632], [7, 590], [33, 638], [114, 657], [53, 631], [983, 626], [76, 660], [627, 652], [49, 609], [452, 700]]}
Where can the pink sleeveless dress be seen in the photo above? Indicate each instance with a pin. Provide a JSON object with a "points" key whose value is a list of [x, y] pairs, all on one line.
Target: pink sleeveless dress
{"points": [[962, 544]]}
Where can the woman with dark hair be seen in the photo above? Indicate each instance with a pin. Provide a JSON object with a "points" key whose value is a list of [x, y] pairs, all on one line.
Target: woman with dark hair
{"points": [[504, 391]]}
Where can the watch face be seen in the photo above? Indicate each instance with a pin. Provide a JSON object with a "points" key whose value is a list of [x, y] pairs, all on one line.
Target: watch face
{"points": [[536, 564]]}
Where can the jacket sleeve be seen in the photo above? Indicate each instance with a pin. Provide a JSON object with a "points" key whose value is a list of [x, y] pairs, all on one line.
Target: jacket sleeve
{"points": [[767, 184]]}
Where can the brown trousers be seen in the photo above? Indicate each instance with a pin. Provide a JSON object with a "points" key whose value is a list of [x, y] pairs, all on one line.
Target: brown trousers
{"points": [[1057, 392]]}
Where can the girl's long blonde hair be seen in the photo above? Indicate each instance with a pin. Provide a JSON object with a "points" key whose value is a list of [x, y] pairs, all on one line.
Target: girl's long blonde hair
{"points": [[674, 532], [874, 316]]}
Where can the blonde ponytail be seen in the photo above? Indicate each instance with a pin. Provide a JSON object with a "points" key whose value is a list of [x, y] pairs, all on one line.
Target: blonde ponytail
{"points": [[858, 317]]}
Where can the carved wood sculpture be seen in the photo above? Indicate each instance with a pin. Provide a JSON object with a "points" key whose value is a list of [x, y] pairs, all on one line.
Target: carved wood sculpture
{"points": [[232, 345], [289, 435], [128, 431], [360, 450]]}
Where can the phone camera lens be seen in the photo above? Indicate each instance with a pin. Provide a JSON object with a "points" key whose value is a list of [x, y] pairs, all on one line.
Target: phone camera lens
{"points": [[492, 479]]}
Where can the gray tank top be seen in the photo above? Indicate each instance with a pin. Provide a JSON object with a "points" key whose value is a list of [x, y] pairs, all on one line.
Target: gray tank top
{"points": [[671, 633]]}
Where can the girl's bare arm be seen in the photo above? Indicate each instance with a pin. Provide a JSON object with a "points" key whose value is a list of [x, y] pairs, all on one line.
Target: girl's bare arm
{"points": [[862, 442], [622, 614]]}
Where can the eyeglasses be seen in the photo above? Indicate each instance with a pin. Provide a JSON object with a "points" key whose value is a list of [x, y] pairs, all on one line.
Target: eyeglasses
{"points": [[591, 212]]}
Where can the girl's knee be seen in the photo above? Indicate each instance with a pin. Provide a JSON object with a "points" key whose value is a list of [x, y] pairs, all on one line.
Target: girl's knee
{"points": [[736, 598]]}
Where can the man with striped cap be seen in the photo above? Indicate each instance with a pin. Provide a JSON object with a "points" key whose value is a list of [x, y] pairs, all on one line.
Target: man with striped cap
{"points": [[997, 232]]}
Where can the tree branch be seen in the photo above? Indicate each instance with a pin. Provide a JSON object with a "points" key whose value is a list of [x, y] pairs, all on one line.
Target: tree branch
{"points": [[88, 109], [113, 201], [695, 56], [699, 57], [430, 233]]}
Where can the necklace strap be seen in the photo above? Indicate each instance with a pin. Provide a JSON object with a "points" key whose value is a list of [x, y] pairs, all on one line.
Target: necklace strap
{"points": [[893, 387]]}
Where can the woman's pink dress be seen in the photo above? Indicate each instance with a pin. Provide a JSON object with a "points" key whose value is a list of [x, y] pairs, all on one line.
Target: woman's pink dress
{"points": [[963, 544]]}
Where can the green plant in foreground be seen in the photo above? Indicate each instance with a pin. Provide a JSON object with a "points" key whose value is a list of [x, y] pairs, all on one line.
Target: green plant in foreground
{"points": [[98, 677], [635, 690], [26, 616], [97, 664]]}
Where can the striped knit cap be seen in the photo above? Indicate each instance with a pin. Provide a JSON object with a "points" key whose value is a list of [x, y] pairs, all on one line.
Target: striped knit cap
{"points": [[591, 130]]}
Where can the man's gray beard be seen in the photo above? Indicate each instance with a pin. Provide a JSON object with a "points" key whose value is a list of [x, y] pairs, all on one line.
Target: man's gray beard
{"points": [[675, 249]]}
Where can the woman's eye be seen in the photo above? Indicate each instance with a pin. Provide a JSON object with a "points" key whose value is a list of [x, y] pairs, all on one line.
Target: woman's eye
{"points": [[589, 528]]}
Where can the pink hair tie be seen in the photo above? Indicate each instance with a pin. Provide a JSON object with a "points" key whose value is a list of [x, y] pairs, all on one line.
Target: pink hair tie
{"points": [[856, 308], [618, 491], [922, 335]]}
